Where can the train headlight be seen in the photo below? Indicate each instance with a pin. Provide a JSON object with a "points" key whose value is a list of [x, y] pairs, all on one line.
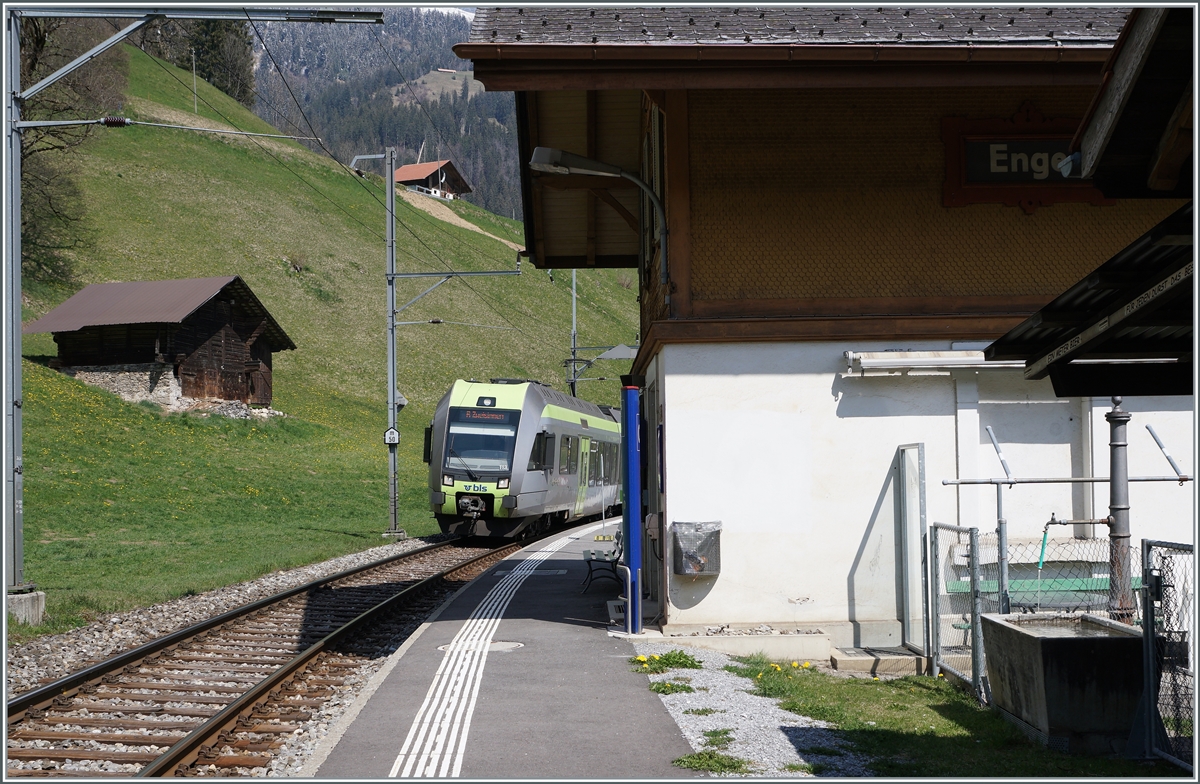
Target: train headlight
{"points": [[447, 480], [502, 484]]}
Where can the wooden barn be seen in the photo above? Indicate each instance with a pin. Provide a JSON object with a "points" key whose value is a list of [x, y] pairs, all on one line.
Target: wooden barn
{"points": [[217, 337], [436, 178]]}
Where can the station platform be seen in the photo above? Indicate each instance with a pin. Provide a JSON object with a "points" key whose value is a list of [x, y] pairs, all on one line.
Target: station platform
{"points": [[515, 677]]}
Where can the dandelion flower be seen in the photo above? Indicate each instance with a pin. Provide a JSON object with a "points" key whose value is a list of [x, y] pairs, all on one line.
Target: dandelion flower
{"points": [[807, 665], [641, 658], [874, 679], [795, 664], [759, 675], [655, 656], [645, 665]]}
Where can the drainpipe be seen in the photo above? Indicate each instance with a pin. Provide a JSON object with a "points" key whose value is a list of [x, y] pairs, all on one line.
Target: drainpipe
{"points": [[1120, 587], [631, 505]]}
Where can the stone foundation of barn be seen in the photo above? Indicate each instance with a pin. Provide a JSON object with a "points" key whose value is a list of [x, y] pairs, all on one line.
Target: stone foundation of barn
{"points": [[156, 382]]}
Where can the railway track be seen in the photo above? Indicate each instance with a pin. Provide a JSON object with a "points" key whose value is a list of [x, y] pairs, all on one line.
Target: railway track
{"points": [[219, 697]]}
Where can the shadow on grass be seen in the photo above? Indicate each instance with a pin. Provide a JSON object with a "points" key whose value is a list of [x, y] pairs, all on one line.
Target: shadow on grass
{"points": [[40, 359], [355, 534]]}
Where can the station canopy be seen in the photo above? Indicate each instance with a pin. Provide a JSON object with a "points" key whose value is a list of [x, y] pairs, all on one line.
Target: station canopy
{"points": [[1125, 329]]}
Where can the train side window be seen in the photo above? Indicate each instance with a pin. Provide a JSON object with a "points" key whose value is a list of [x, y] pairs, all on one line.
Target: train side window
{"points": [[539, 452], [574, 455], [564, 455]]}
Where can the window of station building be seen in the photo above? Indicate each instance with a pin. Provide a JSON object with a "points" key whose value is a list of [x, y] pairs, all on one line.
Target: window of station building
{"points": [[564, 455]]}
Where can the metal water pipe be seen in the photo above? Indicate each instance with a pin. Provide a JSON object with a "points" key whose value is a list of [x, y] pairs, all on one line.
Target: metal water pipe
{"points": [[631, 503], [1120, 586]]}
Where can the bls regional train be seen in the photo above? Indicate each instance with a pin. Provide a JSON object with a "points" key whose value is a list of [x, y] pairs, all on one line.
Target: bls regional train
{"points": [[512, 458]]}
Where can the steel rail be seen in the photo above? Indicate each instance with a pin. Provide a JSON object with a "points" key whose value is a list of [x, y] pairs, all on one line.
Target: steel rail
{"points": [[70, 684], [188, 749]]}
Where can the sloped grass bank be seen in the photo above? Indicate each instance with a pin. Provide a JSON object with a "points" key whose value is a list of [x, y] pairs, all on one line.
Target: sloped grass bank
{"points": [[922, 727], [126, 507], [121, 503]]}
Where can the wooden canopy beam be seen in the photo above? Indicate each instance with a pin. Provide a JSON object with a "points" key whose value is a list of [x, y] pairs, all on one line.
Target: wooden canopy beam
{"points": [[1174, 147]]}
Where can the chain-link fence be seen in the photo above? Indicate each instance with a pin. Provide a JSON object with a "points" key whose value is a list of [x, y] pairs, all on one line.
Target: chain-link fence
{"points": [[1169, 657], [1056, 575], [956, 633], [1065, 574]]}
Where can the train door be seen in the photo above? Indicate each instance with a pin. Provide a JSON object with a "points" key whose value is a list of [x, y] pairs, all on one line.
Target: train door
{"points": [[585, 451]]}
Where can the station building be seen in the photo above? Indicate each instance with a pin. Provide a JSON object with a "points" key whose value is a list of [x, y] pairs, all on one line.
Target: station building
{"points": [[858, 201]]}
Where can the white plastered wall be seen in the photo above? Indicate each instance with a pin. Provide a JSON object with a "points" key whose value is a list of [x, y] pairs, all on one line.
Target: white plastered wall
{"points": [[796, 458]]}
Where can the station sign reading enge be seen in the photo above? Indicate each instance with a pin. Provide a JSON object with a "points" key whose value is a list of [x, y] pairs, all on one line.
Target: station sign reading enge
{"points": [[1015, 160]]}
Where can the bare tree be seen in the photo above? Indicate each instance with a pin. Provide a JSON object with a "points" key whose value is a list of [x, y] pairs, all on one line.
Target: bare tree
{"points": [[52, 210]]}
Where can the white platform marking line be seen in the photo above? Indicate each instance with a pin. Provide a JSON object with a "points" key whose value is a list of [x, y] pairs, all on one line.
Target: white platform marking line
{"points": [[444, 718], [468, 654]]}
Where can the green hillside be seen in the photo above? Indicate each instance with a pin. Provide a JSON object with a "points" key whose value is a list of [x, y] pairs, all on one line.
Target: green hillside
{"points": [[111, 487]]}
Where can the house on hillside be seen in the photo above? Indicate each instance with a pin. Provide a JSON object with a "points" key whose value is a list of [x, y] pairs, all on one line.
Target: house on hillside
{"points": [[169, 341], [857, 202], [437, 178]]}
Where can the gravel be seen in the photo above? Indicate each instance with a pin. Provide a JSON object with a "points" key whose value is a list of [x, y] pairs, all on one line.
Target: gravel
{"points": [[48, 658], [768, 737]]}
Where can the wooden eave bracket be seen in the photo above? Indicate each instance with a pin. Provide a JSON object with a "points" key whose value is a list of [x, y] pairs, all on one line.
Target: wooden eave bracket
{"points": [[1174, 147]]}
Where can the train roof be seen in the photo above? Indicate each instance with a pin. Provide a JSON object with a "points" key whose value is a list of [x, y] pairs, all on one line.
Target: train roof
{"points": [[504, 388]]}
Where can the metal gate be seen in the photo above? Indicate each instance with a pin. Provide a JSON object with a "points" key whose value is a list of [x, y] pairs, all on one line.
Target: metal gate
{"points": [[1169, 658], [954, 587]]}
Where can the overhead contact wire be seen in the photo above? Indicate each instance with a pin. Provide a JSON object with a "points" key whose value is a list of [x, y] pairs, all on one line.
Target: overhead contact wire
{"points": [[312, 130]]}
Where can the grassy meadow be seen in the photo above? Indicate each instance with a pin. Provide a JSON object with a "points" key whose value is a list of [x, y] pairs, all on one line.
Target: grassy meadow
{"points": [[125, 506]]}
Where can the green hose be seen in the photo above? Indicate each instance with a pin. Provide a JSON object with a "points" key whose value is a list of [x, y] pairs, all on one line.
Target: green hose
{"points": [[1042, 557]]}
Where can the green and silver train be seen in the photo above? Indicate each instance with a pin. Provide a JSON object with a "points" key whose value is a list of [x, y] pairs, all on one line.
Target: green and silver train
{"points": [[512, 458]]}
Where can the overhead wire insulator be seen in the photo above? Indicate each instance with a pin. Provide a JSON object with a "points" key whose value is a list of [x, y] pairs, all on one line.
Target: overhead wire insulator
{"points": [[116, 122]]}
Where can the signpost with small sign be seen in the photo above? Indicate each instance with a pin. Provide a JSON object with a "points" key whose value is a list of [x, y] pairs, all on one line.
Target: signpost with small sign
{"points": [[391, 436]]}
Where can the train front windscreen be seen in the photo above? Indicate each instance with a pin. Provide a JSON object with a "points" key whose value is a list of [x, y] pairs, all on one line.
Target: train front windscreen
{"points": [[481, 440]]}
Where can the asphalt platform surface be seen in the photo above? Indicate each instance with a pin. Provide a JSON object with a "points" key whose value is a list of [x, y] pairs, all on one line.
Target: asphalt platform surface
{"points": [[462, 701]]}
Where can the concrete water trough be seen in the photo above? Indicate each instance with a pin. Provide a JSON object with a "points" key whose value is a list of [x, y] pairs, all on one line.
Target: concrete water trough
{"points": [[1070, 680]]}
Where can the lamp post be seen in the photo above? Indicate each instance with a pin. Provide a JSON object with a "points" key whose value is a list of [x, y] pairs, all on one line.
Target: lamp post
{"points": [[554, 161]]}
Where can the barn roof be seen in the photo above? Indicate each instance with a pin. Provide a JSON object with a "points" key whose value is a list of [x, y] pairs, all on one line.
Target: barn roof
{"points": [[151, 302], [417, 172]]}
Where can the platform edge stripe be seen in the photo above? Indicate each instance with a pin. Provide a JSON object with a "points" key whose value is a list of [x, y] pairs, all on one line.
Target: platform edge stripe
{"points": [[444, 717]]}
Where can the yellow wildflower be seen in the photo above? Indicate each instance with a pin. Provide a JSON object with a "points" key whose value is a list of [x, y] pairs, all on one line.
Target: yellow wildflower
{"points": [[641, 658], [874, 679], [655, 656], [645, 665], [795, 664], [807, 665]]}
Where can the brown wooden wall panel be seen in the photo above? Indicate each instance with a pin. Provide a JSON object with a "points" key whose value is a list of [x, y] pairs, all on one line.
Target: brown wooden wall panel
{"points": [[800, 194], [618, 117], [562, 120], [564, 214]]}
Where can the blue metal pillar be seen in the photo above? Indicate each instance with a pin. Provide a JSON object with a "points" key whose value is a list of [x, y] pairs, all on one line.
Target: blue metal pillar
{"points": [[631, 503]]}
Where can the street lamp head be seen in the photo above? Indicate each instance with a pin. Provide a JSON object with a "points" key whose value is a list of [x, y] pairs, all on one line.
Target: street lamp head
{"points": [[554, 161]]}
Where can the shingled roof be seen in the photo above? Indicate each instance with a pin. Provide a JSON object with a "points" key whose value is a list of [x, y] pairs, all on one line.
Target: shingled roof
{"points": [[151, 302], [1012, 26]]}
